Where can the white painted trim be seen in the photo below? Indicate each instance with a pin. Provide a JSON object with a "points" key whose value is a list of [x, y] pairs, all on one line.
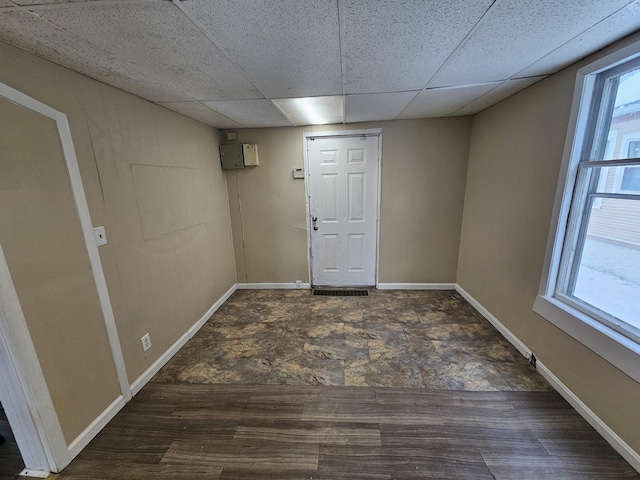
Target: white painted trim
{"points": [[49, 433], [82, 440], [585, 412], [416, 286], [344, 133], [619, 445], [506, 333], [341, 133], [273, 286], [25, 395], [28, 472], [143, 379], [548, 303]]}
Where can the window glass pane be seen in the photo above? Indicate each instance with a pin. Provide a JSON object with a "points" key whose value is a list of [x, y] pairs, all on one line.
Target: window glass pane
{"points": [[625, 120], [608, 274], [630, 179]]}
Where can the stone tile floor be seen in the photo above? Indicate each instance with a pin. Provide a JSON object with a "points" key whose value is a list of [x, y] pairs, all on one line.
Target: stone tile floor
{"points": [[416, 339]]}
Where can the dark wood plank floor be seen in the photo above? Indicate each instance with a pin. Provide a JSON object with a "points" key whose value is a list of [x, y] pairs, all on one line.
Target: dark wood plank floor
{"points": [[10, 458], [197, 431]]}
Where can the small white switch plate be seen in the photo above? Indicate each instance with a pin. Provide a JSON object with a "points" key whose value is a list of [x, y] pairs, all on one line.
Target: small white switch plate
{"points": [[101, 236], [297, 173], [146, 342]]}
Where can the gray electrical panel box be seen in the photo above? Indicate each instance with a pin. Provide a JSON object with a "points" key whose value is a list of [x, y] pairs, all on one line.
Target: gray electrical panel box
{"points": [[238, 155]]}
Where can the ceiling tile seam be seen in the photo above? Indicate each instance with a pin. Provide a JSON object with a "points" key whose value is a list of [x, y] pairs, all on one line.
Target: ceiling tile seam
{"points": [[515, 76], [473, 29], [164, 105], [464, 39], [478, 98], [56, 6], [343, 59], [500, 84], [106, 53], [209, 36]]}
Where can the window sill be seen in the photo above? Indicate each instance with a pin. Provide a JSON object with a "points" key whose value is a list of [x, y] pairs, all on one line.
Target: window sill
{"points": [[615, 348]]}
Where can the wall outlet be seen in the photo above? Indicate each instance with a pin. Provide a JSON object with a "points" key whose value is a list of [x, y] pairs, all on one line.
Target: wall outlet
{"points": [[146, 342], [298, 284]]}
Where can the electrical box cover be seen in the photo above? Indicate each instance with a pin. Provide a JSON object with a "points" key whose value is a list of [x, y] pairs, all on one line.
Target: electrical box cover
{"points": [[238, 155], [250, 154], [231, 156]]}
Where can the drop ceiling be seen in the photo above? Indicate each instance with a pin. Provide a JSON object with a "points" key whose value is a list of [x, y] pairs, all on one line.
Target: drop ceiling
{"points": [[240, 63]]}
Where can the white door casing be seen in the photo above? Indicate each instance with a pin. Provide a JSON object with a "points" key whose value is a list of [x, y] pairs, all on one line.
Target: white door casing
{"points": [[343, 208], [30, 409]]}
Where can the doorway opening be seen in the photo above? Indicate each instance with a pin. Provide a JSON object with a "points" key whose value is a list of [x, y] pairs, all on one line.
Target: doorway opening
{"points": [[343, 175]]}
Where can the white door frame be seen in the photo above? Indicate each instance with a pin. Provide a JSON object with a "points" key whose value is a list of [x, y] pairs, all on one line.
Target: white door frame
{"points": [[25, 395], [342, 134]]}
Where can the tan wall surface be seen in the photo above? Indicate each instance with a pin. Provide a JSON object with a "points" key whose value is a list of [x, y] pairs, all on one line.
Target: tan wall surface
{"points": [[515, 156], [423, 176], [153, 178], [44, 246]]}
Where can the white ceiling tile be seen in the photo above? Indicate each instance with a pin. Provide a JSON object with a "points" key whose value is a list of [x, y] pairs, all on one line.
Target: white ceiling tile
{"points": [[290, 48], [32, 33], [442, 102], [618, 25], [514, 34], [251, 113], [161, 41], [391, 46], [376, 106], [499, 93], [201, 113]]}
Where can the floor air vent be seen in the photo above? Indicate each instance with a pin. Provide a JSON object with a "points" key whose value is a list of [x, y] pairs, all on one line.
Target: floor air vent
{"points": [[362, 292]]}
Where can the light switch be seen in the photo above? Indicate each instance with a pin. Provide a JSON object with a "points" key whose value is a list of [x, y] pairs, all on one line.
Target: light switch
{"points": [[101, 236]]}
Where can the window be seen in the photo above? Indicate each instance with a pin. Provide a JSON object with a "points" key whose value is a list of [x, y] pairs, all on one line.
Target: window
{"points": [[592, 279]]}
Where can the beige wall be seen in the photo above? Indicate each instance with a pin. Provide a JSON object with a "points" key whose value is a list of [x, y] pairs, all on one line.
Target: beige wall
{"points": [[153, 178], [423, 176], [514, 162], [44, 246]]}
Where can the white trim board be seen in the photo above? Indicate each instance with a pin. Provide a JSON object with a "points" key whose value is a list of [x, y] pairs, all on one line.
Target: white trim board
{"points": [[29, 387], [416, 286], [148, 374], [82, 440], [273, 286], [585, 412]]}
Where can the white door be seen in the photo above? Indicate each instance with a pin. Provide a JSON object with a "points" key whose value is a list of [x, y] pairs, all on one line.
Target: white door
{"points": [[343, 204]]}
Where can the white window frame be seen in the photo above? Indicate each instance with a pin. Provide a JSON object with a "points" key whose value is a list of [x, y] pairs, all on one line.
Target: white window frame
{"points": [[583, 325]]}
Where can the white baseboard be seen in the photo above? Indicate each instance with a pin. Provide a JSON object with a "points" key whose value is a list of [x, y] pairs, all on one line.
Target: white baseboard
{"points": [[416, 286], [82, 440], [273, 286], [596, 422], [506, 333], [27, 472], [143, 379]]}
